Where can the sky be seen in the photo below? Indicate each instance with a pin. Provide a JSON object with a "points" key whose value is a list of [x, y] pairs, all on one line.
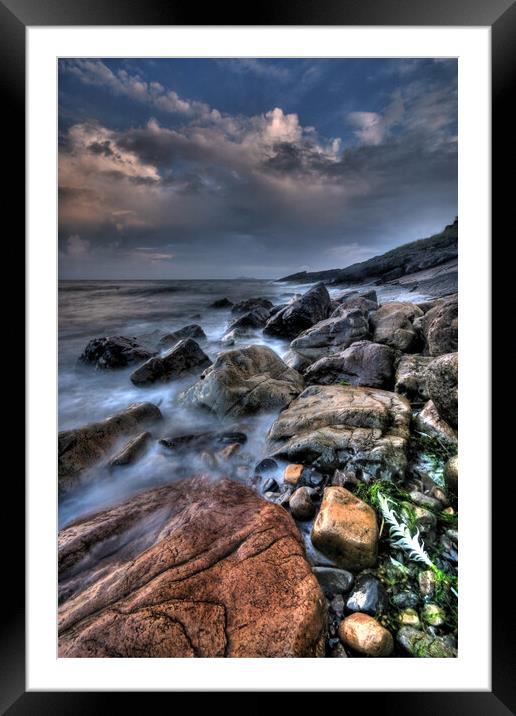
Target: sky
{"points": [[227, 168]]}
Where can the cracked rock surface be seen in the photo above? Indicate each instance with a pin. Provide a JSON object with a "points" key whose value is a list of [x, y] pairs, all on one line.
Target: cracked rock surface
{"points": [[199, 568]]}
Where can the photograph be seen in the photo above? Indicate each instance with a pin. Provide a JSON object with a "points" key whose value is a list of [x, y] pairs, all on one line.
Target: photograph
{"points": [[257, 453]]}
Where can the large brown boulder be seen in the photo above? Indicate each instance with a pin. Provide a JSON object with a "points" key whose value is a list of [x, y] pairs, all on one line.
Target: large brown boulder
{"points": [[440, 327], [393, 324], [442, 378], [81, 448], [185, 358], [363, 363], [242, 381], [336, 426], [310, 308], [199, 568]]}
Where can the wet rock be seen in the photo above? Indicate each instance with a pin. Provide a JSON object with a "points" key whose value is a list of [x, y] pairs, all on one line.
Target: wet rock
{"points": [[418, 643], [367, 596], [243, 381], [227, 452], [405, 599], [253, 304], [442, 386], [346, 530], [451, 474], [81, 448], [200, 441], [191, 331], [365, 635], [333, 581], [363, 363], [332, 335], [393, 324], [202, 568], [221, 303], [422, 500], [440, 327], [131, 451], [185, 358], [337, 605], [344, 478], [270, 485], [429, 422], [310, 308], [114, 352], [411, 378], [267, 466], [338, 652], [337, 427], [425, 520], [301, 505], [293, 474]]}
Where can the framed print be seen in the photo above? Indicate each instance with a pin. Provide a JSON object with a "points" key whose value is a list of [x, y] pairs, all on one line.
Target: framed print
{"points": [[249, 249]]}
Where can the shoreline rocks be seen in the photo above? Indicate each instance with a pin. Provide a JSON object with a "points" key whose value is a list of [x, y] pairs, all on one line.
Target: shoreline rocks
{"points": [[112, 352], [185, 358], [310, 308], [363, 363], [200, 568]]}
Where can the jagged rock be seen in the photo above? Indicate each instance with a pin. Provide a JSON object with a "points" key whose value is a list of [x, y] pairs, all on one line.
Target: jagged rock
{"points": [[366, 302], [202, 568], [310, 308], [345, 529], [246, 323], [185, 358], [248, 380], [114, 352], [191, 331], [80, 448], [365, 635], [429, 422], [411, 377], [249, 305], [363, 363], [442, 385], [336, 426], [131, 450], [440, 327], [333, 335], [393, 324]]}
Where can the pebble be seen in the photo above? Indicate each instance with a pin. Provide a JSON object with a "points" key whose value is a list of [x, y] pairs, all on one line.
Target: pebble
{"points": [[433, 615], [333, 580], [426, 581], [293, 473], [368, 596], [405, 600], [409, 617], [364, 634], [301, 505]]}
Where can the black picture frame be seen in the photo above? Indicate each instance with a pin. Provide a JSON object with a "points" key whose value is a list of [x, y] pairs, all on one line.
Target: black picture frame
{"points": [[500, 15]]}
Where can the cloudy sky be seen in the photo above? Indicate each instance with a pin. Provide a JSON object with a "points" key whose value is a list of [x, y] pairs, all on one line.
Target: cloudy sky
{"points": [[200, 168]]}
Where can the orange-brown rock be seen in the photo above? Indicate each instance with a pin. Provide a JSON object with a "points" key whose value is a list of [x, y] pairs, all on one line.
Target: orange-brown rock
{"points": [[346, 529], [293, 473], [198, 568], [365, 635]]}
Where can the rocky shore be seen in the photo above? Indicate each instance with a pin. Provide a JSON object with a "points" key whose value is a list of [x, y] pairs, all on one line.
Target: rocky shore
{"points": [[337, 538]]}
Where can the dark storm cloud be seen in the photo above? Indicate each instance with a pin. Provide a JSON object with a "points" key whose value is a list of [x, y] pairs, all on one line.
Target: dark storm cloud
{"points": [[220, 194]]}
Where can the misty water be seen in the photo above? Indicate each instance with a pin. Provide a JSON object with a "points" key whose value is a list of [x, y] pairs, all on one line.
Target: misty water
{"points": [[90, 309]]}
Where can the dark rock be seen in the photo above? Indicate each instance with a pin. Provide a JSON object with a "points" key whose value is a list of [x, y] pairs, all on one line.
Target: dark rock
{"points": [[405, 600], [266, 466], [131, 451], [368, 596], [451, 474], [221, 303], [200, 441], [114, 352], [344, 478], [312, 307], [363, 363], [423, 645], [250, 305], [301, 505], [270, 485], [337, 605], [338, 652], [333, 581], [191, 331], [185, 358], [199, 568]]}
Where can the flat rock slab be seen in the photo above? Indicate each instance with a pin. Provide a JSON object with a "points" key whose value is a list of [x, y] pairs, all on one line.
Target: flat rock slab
{"points": [[199, 568], [336, 426], [81, 448]]}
